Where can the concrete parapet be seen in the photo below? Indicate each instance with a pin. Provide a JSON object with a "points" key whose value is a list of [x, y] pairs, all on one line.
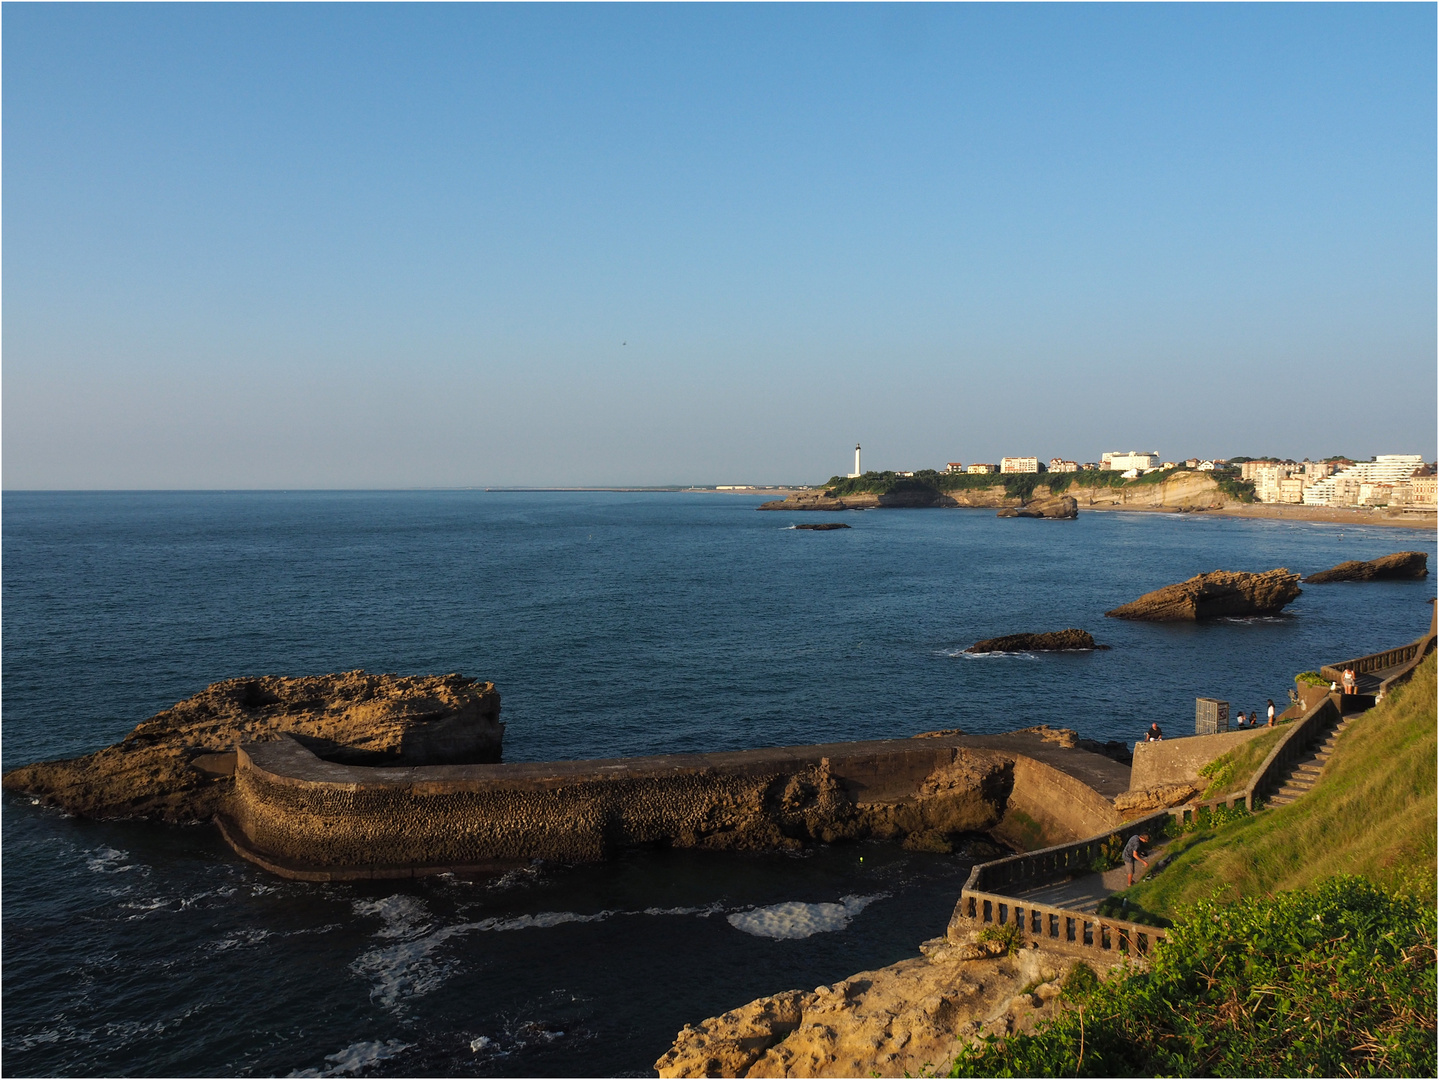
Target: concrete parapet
{"points": [[1173, 761]]}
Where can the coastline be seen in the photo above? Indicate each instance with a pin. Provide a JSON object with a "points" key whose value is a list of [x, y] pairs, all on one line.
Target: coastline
{"points": [[1324, 515]]}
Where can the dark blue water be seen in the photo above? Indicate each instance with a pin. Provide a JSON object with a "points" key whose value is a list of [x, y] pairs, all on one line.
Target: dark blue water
{"points": [[613, 624]]}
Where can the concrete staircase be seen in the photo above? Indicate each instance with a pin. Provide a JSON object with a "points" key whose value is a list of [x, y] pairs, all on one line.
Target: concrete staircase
{"points": [[1305, 773]]}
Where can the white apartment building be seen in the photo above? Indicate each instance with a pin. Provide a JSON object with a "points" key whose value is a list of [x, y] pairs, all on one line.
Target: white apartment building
{"points": [[1423, 489], [1384, 469], [1018, 464], [982, 467], [1117, 461], [954, 467], [1060, 465]]}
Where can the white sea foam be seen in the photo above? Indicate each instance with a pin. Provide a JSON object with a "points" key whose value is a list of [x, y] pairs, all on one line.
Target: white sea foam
{"points": [[794, 919], [404, 916], [965, 655], [107, 860], [702, 912], [239, 939], [480, 1042], [358, 1056]]}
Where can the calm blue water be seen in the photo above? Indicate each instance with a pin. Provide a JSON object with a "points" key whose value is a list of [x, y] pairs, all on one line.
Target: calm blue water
{"points": [[613, 624]]}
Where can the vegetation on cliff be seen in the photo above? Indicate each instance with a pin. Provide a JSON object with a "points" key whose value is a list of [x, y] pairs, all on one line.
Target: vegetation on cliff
{"points": [[1373, 814], [1283, 960], [1337, 980]]}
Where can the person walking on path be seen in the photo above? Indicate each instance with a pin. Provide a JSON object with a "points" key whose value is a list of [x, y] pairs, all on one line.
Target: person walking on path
{"points": [[1132, 856], [1349, 681]]}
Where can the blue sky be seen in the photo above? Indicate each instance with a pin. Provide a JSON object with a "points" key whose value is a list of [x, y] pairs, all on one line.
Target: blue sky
{"points": [[381, 246]]}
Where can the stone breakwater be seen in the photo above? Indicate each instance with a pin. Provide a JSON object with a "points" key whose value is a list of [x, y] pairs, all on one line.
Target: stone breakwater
{"points": [[303, 817]]}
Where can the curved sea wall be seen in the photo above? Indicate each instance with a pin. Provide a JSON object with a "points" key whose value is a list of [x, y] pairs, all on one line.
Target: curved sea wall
{"points": [[304, 817]]}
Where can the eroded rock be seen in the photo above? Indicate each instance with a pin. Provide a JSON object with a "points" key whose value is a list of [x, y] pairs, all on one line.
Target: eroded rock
{"points": [[1055, 506], [908, 1019], [1402, 565], [1218, 593], [173, 767], [1053, 641]]}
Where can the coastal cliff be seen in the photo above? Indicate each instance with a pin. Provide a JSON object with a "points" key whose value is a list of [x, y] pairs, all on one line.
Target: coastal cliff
{"points": [[1178, 490], [178, 766]]}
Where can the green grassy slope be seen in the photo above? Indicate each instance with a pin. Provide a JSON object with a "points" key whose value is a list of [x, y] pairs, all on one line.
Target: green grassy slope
{"points": [[1372, 814]]}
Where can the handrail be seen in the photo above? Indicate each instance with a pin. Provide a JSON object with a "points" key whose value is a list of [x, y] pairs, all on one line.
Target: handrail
{"points": [[1029, 866], [1290, 746], [1078, 929]]}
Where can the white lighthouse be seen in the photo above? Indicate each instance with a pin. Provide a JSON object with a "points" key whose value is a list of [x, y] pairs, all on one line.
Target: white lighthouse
{"points": [[857, 470]]}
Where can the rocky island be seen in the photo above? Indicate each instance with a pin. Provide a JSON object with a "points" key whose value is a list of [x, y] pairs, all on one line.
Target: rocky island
{"points": [[179, 765], [1402, 565], [1213, 595], [1055, 641]]}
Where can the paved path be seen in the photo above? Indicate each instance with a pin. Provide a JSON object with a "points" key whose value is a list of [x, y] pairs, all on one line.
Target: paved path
{"points": [[1083, 892]]}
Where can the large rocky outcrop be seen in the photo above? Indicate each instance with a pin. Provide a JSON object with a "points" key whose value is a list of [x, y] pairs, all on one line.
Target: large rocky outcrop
{"points": [[1181, 490], [176, 766], [1055, 506], [1053, 641], [1218, 593], [908, 1019], [1403, 565]]}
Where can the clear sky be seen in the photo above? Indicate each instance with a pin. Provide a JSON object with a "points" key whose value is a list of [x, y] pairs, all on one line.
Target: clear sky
{"points": [[389, 246]]}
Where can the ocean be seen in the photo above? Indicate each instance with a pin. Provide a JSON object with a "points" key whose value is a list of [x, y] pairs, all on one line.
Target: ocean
{"points": [[612, 624]]}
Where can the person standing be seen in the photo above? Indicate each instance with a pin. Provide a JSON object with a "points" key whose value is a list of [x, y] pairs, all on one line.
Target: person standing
{"points": [[1131, 854], [1271, 712]]}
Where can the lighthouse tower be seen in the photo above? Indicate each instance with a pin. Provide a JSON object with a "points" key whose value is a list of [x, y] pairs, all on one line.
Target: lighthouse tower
{"points": [[857, 470]]}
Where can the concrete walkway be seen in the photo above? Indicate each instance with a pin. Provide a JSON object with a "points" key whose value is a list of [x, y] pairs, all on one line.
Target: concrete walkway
{"points": [[1084, 892]]}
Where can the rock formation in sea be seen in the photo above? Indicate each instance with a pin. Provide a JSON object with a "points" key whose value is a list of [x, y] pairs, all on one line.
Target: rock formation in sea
{"points": [[1055, 506], [1215, 594], [1053, 641], [177, 765], [823, 526], [1403, 565]]}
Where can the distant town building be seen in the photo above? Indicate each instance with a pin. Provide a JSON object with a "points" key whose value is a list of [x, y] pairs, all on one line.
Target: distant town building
{"points": [[1267, 476], [1129, 474], [1249, 469], [1121, 462], [954, 467], [1060, 465], [1422, 488], [1375, 494], [911, 473], [1314, 471], [1344, 487], [1090, 465], [1207, 466], [982, 467], [1168, 465], [1018, 464], [1193, 463]]}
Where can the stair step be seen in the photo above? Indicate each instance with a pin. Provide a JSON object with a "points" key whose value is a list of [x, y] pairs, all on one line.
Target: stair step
{"points": [[1280, 800], [1292, 792], [1315, 769]]}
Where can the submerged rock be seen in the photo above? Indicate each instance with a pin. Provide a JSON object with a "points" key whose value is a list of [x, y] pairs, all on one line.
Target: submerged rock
{"points": [[177, 765], [1402, 565], [1056, 506], [822, 526], [1053, 641], [1218, 593]]}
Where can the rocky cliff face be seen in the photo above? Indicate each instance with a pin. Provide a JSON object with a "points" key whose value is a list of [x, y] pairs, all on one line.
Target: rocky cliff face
{"points": [[176, 766], [1401, 565], [1219, 593], [1186, 491]]}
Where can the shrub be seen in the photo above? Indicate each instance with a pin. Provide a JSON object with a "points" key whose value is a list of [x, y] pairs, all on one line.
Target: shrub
{"points": [[1311, 678], [1334, 981], [1009, 935], [1111, 854]]}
